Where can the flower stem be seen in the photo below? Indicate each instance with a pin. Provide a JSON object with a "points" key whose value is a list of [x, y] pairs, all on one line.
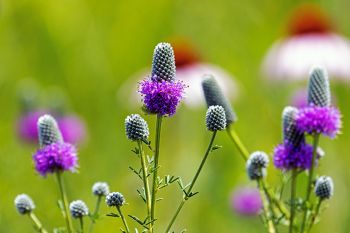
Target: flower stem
{"points": [[37, 222], [81, 224], [237, 141], [155, 168], [315, 214], [270, 223], [65, 203], [274, 200], [188, 192], [309, 185], [146, 184], [292, 199], [98, 202], [123, 219]]}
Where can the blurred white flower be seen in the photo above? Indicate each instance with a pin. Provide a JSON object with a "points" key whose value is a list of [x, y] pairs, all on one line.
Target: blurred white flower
{"points": [[311, 42], [190, 69]]}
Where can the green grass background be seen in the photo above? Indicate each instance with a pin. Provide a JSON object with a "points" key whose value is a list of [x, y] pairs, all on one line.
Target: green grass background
{"points": [[89, 48]]}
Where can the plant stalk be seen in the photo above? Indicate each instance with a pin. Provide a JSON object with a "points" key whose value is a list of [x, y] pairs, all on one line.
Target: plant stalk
{"points": [[237, 141], [309, 185], [37, 222], [98, 202], [123, 220], [65, 203], [188, 192], [155, 170], [292, 199]]}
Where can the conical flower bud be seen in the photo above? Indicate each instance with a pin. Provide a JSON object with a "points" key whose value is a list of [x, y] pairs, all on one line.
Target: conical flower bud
{"points": [[24, 204], [318, 88], [78, 209], [214, 96], [290, 133], [136, 127], [324, 187], [215, 118], [256, 165], [48, 131], [163, 64]]}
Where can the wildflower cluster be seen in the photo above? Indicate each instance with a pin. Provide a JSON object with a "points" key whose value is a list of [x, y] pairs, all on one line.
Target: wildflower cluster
{"points": [[162, 93]]}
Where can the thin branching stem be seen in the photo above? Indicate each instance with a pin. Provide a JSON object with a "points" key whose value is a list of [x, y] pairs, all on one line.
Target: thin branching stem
{"points": [[155, 168], [309, 185], [188, 192], [292, 199], [270, 223], [123, 220], [37, 222], [316, 213], [145, 183], [98, 202], [66, 216], [237, 141]]}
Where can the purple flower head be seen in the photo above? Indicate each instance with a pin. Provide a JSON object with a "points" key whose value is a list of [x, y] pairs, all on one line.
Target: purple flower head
{"points": [[27, 126], [314, 119], [246, 201], [56, 157], [161, 97], [72, 129], [287, 156]]}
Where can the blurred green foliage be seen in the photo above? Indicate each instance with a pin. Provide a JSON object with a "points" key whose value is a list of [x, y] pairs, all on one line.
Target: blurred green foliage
{"points": [[89, 48]]}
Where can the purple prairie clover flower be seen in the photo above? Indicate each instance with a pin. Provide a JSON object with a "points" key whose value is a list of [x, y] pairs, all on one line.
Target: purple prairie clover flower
{"points": [[321, 120], [72, 128], [246, 201], [288, 156], [56, 157], [27, 126], [161, 97]]}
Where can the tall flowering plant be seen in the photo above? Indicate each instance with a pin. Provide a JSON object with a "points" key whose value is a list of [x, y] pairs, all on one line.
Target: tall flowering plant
{"points": [[294, 156]]}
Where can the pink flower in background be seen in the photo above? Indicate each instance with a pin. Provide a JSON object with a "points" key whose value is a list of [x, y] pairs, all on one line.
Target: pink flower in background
{"points": [[311, 41], [246, 201], [27, 126], [72, 127], [189, 69]]}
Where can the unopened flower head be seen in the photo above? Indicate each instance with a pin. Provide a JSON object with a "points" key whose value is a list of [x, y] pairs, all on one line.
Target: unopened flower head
{"points": [[291, 134], [78, 209], [320, 120], [48, 131], [288, 156], [56, 157], [257, 164], [136, 127], [324, 187], [214, 96], [100, 189], [24, 204], [215, 118], [161, 97], [247, 201], [318, 88], [115, 199], [163, 65]]}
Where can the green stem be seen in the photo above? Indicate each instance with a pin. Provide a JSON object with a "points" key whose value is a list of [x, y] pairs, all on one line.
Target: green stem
{"points": [[123, 219], [270, 223], [98, 202], [313, 219], [237, 141], [81, 224], [146, 184], [309, 185], [270, 201], [188, 192], [65, 203], [275, 200], [155, 168], [37, 222], [292, 199]]}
